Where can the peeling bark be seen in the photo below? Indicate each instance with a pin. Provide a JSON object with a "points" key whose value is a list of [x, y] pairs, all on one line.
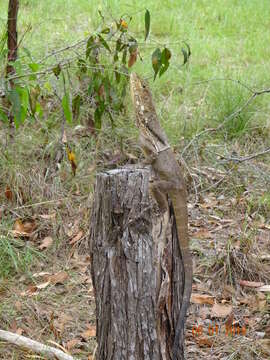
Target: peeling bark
{"points": [[136, 269]]}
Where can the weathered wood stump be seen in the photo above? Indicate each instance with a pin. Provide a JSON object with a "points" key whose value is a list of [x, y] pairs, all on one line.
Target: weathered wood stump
{"points": [[136, 271]]}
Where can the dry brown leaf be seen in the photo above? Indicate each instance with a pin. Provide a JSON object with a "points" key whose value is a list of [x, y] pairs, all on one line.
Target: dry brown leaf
{"points": [[204, 312], [258, 302], [31, 290], [8, 193], [202, 299], [18, 305], [46, 242], [209, 203], [48, 216], [23, 228], [43, 285], [252, 284], [41, 274], [76, 238], [202, 234], [90, 332], [220, 310], [58, 278], [204, 342], [72, 343], [132, 58]]}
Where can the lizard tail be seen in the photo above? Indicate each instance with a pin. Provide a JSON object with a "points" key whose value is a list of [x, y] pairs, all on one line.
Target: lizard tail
{"points": [[179, 330]]}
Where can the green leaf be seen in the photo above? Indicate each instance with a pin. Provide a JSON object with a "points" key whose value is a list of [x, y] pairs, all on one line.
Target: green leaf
{"points": [[124, 57], [185, 54], [90, 45], [106, 30], [3, 116], [118, 44], [34, 67], [27, 52], [57, 70], [100, 14], [147, 23], [104, 42], [66, 108], [16, 108], [76, 104], [17, 66], [165, 57], [188, 47], [39, 110], [163, 69], [98, 115], [115, 57], [24, 96], [82, 65], [117, 75], [156, 61]]}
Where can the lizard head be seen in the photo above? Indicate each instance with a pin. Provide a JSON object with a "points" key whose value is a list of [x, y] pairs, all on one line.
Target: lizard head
{"points": [[141, 97]]}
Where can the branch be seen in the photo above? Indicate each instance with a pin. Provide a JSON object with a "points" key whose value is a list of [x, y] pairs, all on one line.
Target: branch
{"points": [[245, 158], [35, 346]]}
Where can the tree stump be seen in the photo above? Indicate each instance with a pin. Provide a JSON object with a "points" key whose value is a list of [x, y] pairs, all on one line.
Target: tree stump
{"points": [[136, 269]]}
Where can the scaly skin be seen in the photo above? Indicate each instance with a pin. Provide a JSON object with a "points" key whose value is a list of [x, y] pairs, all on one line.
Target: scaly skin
{"points": [[170, 181]]}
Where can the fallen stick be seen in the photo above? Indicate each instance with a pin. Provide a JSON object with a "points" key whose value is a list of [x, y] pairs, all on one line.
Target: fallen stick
{"points": [[35, 346]]}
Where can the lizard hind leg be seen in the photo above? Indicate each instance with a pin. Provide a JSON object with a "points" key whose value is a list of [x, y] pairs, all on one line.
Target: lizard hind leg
{"points": [[158, 195]]}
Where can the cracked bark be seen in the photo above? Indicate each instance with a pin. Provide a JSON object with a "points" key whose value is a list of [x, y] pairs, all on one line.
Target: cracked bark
{"points": [[136, 269]]}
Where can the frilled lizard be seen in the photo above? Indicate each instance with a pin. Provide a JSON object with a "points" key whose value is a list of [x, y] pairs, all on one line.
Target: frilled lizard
{"points": [[170, 182]]}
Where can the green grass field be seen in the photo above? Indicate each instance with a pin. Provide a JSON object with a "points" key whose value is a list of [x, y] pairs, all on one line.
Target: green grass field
{"points": [[230, 60], [227, 41]]}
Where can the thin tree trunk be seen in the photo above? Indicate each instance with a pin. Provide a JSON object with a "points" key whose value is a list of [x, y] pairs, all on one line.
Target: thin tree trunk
{"points": [[136, 270], [12, 43]]}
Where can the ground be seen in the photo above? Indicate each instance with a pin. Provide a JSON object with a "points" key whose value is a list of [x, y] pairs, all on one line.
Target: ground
{"points": [[45, 286]]}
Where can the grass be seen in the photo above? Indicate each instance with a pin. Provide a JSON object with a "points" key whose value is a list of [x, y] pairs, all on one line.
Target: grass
{"points": [[227, 42]]}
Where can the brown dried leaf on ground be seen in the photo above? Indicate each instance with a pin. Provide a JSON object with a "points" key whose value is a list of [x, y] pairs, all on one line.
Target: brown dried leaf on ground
{"points": [[90, 332], [205, 342], [220, 310], [46, 242], [72, 343], [251, 284], [76, 238], [58, 278], [48, 216], [202, 299], [23, 228]]}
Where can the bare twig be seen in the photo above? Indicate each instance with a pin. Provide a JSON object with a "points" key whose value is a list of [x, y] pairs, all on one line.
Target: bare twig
{"points": [[227, 118], [244, 158], [34, 346]]}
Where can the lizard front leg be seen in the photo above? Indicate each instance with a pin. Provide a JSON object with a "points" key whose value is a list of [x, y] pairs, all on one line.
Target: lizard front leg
{"points": [[158, 195], [148, 150]]}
